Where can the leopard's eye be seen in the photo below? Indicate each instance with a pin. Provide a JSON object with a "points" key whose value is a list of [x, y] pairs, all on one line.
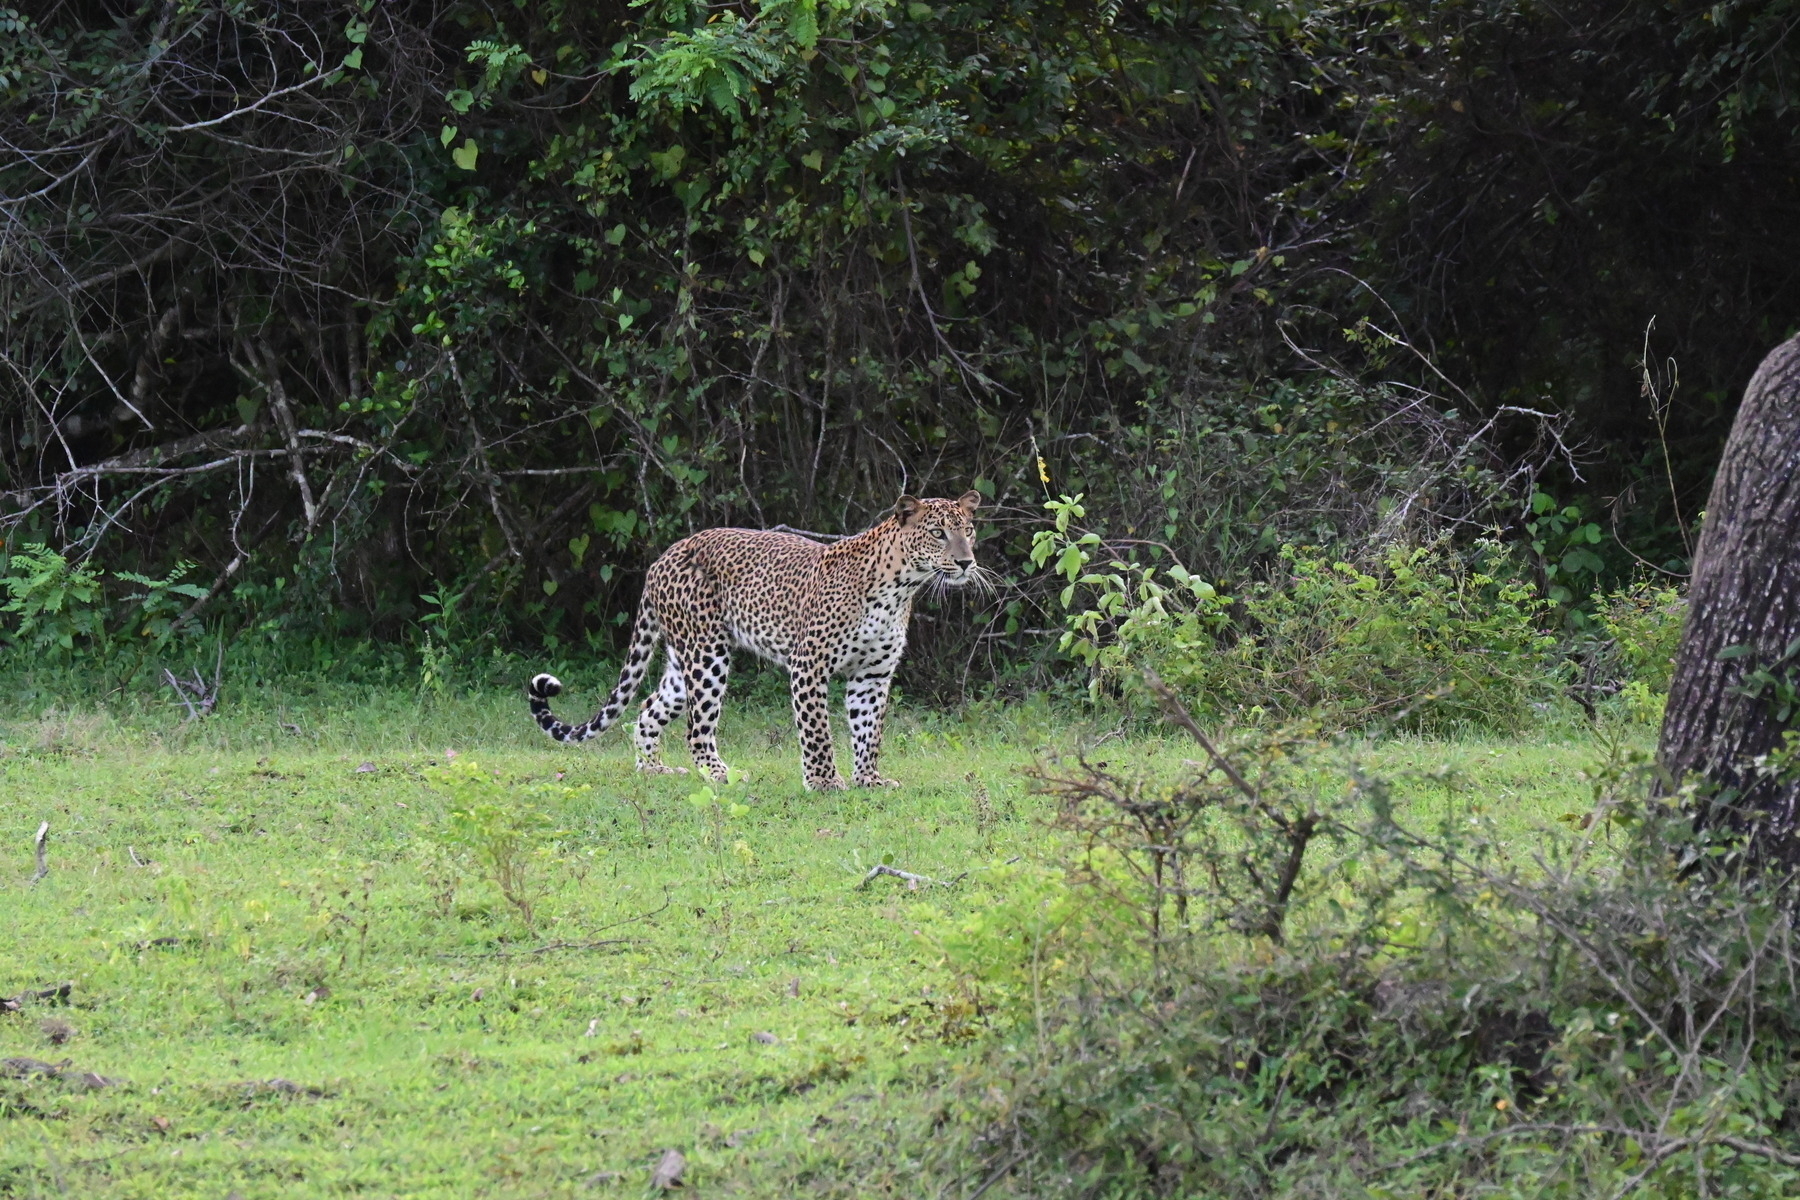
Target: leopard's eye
{"points": [[942, 534]]}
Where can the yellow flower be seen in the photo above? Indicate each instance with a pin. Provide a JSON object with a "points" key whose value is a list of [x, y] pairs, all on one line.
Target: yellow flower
{"points": [[1043, 470]]}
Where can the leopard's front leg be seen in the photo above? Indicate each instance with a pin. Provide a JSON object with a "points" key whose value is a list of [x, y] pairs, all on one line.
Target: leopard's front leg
{"points": [[866, 700], [811, 688]]}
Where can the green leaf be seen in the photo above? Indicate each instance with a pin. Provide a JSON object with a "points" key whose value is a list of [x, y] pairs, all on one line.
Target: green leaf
{"points": [[722, 89], [668, 162], [814, 159], [1070, 562], [803, 23], [465, 154], [447, 135]]}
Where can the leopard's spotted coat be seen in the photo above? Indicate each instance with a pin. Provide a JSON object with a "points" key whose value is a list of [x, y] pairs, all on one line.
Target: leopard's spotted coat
{"points": [[817, 610]]}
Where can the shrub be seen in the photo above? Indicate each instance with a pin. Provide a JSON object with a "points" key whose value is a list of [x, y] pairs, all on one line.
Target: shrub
{"points": [[1422, 636], [62, 608], [501, 827], [1644, 623]]}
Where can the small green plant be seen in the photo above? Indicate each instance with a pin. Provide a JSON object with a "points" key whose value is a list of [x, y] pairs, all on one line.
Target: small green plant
{"points": [[1132, 612], [1775, 682], [63, 607], [437, 660], [985, 815], [717, 812], [162, 606], [1644, 622], [57, 603], [510, 838], [1563, 541]]}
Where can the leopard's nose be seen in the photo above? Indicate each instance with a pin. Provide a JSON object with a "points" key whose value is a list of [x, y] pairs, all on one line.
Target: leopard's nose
{"points": [[965, 563]]}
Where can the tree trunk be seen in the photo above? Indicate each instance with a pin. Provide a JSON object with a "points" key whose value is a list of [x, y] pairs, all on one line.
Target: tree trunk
{"points": [[1732, 698]]}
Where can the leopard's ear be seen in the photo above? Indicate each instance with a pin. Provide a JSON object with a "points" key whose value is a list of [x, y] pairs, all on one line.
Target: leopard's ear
{"points": [[907, 510], [970, 501]]}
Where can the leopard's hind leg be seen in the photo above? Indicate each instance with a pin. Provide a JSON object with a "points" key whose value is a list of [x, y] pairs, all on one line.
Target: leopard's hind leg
{"points": [[664, 705], [706, 673], [695, 632]]}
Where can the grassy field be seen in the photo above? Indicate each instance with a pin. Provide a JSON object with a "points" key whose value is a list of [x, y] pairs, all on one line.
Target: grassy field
{"points": [[288, 980]]}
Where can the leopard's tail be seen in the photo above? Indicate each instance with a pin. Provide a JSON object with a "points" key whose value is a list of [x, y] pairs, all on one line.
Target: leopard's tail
{"points": [[644, 637]]}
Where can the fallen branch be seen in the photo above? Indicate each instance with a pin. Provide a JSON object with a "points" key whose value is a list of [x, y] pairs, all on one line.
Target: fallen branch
{"points": [[548, 948], [59, 993], [43, 861], [999, 1173], [197, 695], [913, 882]]}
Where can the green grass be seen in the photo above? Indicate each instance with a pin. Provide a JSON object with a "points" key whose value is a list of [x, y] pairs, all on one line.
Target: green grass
{"points": [[300, 915]]}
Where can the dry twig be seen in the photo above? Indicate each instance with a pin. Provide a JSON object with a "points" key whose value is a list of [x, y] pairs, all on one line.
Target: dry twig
{"points": [[43, 861], [913, 882], [1178, 715], [197, 695]]}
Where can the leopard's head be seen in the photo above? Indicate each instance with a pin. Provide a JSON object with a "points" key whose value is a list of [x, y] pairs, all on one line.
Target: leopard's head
{"points": [[936, 539]]}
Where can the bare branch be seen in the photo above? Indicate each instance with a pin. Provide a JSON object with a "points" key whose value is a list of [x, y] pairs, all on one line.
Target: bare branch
{"points": [[1178, 715]]}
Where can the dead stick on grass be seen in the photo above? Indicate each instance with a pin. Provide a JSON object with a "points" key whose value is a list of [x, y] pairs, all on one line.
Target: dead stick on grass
{"points": [[912, 881], [546, 949], [43, 862]]}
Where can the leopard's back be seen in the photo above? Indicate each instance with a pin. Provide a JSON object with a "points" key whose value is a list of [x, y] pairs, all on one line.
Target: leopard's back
{"points": [[763, 588]]}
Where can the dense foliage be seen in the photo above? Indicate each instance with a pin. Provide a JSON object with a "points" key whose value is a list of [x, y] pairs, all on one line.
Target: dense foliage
{"points": [[443, 309]]}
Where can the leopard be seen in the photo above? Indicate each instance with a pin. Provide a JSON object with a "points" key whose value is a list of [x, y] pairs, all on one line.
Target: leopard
{"points": [[821, 610]]}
